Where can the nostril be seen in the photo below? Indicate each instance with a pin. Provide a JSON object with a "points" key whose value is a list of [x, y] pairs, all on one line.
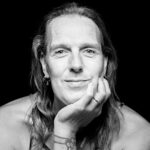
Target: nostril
{"points": [[76, 70]]}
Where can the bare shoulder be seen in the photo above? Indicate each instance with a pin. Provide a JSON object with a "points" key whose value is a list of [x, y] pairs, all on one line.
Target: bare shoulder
{"points": [[13, 122], [135, 130]]}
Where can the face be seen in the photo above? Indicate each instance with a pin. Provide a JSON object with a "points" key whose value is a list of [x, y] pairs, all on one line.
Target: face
{"points": [[74, 56]]}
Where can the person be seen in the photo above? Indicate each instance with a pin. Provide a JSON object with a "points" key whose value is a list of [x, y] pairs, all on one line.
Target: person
{"points": [[75, 105]]}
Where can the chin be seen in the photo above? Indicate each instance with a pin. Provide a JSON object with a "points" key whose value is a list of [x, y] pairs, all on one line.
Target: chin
{"points": [[73, 97]]}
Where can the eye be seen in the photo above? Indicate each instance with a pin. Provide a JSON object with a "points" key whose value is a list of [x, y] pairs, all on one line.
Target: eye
{"points": [[60, 52], [90, 52]]}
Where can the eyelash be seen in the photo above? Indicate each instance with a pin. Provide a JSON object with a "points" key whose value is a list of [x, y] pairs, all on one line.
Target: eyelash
{"points": [[60, 52], [88, 52]]}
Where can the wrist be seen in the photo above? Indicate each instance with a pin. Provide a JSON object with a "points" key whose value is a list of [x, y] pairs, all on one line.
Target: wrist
{"points": [[60, 142], [64, 130], [70, 143]]}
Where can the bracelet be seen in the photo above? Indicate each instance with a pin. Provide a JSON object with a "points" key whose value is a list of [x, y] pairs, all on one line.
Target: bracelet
{"points": [[70, 143]]}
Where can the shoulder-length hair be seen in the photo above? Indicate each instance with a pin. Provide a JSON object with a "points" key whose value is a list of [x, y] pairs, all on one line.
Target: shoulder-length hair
{"points": [[103, 127]]}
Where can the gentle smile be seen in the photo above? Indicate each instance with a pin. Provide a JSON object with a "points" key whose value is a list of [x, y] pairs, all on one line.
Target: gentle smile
{"points": [[76, 83]]}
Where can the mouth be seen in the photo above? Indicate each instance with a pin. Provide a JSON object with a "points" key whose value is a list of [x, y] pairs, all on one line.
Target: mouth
{"points": [[76, 83]]}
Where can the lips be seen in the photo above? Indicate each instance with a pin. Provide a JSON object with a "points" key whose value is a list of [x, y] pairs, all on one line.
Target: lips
{"points": [[76, 83]]}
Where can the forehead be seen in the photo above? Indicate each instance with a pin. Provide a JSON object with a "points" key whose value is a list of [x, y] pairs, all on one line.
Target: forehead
{"points": [[72, 28]]}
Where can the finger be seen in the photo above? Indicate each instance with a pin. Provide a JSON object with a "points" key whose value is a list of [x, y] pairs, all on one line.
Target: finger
{"points": [[101, 93], [87, 96], [95, 85], [107, 88], [91, 90], [101, 96], [106, 93], [98, 96]]}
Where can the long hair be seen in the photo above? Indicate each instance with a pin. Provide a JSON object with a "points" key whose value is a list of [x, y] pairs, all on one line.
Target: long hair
{"points": [[105, 126]]}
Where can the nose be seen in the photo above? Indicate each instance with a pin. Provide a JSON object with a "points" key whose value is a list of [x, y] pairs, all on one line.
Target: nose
{"points": [[76, 65]]}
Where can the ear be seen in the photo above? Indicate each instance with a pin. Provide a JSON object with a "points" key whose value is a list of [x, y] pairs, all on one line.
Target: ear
{"points": [[44, 67], [105, 66], [36, 43]]}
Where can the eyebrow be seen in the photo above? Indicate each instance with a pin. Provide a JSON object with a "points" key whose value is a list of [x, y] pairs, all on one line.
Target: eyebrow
{"points": [[83, 46]]}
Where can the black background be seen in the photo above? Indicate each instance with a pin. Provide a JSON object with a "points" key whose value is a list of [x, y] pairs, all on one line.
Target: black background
{"points": [[126, 22]]}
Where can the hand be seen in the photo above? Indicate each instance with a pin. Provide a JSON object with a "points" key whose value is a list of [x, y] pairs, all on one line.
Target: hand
{"points": [[81, 113]]}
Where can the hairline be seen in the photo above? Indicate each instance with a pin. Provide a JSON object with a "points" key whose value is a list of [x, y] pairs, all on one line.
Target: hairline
{"points": [[49, 21]]}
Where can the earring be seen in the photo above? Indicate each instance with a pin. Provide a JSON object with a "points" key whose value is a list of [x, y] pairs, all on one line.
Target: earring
{"points": [[105, 77], [46, 81]]}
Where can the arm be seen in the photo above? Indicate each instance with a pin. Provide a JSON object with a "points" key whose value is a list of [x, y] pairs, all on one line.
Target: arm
{"points": [[4, 145], [8, 134], [140, 140], [64, 143], [5, 141], [137, 146], [60, 142], [79, 114]]}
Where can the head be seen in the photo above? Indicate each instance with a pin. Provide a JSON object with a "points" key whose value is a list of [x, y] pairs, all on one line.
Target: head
{"points": [[72, 45]]}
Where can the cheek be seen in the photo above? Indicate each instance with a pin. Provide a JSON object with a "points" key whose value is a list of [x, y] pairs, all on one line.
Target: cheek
{"points": [[56, 72], [56, 69], [95, 68]]}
